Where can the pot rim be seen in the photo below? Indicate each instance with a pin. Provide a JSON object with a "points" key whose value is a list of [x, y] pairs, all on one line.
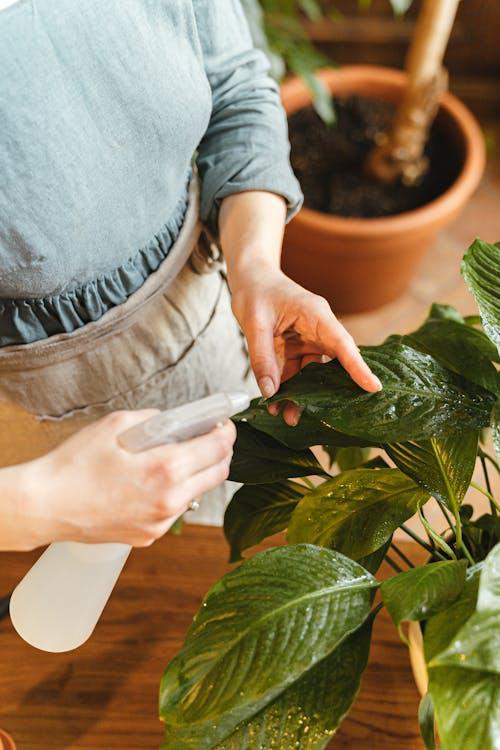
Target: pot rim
{"points": [[446, 204]]}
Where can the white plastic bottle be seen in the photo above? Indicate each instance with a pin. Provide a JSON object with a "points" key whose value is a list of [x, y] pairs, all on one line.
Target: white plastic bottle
{"points": [[59, 601]]}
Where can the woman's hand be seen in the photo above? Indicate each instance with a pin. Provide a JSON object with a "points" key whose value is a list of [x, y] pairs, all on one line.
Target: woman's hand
{"points": [[90, 489], [286, 326]]}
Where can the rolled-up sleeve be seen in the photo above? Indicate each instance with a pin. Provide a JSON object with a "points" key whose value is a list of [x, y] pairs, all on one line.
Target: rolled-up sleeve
{"points": [[246, 143]]}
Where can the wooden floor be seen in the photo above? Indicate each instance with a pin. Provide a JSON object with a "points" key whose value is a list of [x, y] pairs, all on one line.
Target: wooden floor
{"points": [[104, 695]]}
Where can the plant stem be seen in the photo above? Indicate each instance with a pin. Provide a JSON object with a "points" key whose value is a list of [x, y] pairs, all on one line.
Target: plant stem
{"points": [[488, 484], [486, 494], [402, 555], [436, 537], [421, 542], [431, 540], [489, 458], [401, 152], [393, 564], [443, 510]]}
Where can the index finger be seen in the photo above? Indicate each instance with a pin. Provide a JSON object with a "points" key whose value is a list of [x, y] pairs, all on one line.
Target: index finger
{"points": [[339, 343], [191, 456]]}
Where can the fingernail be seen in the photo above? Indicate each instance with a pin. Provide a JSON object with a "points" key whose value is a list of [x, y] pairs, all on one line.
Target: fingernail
{"points": [[266, 386], [378, 383]]}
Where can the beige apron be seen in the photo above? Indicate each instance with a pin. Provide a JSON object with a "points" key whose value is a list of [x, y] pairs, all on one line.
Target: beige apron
{"points": [[174, 340]]}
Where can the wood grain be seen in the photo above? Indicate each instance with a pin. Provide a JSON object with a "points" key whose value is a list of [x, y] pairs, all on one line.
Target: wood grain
{"points": [[104, 695]]}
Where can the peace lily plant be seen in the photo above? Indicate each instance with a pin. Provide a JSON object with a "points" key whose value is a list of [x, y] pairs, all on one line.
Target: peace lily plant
{"points": [[275, 655]]}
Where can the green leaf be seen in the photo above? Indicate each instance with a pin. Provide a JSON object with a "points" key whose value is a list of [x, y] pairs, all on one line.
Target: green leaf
{"points": [[488, 599], [442, 628], [419, 593], [260, 459], [351, 458], [442, 466], [465, 676], [467, 706], [420, 398], [259, 629], [495, 428], [440, 313], [481, 271], [426, 722], [356, 511], [322, 97], [308, 432], [258, 511], [307, 714], [444, 312], [459, 348]]}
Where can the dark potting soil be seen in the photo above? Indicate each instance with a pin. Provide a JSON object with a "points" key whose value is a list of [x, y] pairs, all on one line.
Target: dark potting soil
{"points": [[328, 161]]}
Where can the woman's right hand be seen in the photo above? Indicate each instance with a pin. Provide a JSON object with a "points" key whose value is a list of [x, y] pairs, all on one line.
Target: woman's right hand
{"points": [[90, 489]]}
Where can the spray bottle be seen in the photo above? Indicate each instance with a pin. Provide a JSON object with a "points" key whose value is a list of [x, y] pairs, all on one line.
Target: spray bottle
{"points": [[58, 603]]}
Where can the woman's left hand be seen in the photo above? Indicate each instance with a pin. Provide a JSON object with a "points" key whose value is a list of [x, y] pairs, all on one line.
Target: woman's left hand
{"points": [[287, 327]]}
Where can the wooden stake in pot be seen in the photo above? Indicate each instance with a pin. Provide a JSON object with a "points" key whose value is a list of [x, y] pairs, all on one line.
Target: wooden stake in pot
{"points": [[400, 151]]}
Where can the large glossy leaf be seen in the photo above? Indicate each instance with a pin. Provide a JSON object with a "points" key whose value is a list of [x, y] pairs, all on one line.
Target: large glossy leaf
{"points": [[356, 511], [259, 458], [477, 643], [442, 466], [307, 433], [260, 628], [420, 398], [442, 628], [421, 592], [467, 707], [307, 713], [479, 338], [481, 270], [465, 676], [258, 511], [459, 348]]}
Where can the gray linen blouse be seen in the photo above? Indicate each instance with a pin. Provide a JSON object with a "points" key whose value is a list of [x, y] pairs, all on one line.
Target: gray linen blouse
{"points": [[102, 106]]}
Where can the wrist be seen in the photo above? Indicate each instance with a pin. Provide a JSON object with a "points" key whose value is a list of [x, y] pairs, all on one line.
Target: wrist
{"points": [[38, 501], [18, 528], [251, 265]]}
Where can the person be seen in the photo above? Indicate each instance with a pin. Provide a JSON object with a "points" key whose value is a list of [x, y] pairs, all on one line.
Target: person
{"points": [[118, 249]]}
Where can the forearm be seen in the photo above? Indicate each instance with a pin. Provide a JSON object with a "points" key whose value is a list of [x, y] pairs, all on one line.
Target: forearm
{"points": [[251, 228]]}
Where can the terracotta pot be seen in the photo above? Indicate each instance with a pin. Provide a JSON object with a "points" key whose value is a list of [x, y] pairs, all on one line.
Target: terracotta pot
{"points": [[359, 264], [6, 741]]}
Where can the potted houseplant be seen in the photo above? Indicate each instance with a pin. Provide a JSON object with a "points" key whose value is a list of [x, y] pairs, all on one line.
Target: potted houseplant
{"points": [[275, 655], [398, 165]]}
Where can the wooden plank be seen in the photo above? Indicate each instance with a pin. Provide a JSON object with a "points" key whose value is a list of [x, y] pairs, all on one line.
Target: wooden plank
{"points": [[104, 695]]}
